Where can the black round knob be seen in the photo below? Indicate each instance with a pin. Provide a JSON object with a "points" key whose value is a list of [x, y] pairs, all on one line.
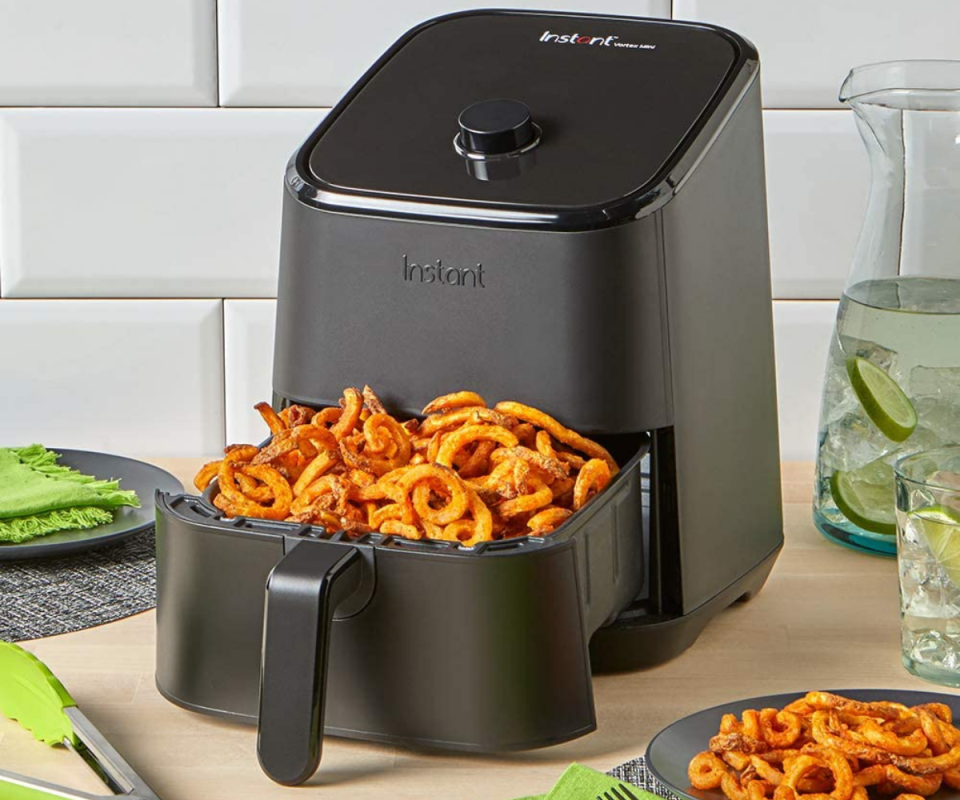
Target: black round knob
{"points": [[491, 127]]}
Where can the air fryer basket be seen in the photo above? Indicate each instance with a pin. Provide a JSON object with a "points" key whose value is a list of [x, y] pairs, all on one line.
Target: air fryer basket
{"points": [[482, 648]]}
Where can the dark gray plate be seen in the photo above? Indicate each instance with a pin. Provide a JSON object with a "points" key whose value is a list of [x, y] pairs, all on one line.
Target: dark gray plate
{"points": [[671, 750], [143, 478]]}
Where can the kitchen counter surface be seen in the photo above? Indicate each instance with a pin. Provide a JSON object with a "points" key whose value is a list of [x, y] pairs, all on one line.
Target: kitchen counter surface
{"points": [[828, 618]]}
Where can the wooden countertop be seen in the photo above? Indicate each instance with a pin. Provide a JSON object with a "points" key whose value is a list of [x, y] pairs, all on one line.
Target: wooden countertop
{"points": [[827, 618]]}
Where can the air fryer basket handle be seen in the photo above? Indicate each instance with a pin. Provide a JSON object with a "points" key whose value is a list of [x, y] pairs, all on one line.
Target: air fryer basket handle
{"points": [[303, 591]]}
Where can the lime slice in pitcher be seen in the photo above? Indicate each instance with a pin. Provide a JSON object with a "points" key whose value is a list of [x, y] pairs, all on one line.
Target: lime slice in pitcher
{"points": [[883, 399], [941, 528], [866, 497]]}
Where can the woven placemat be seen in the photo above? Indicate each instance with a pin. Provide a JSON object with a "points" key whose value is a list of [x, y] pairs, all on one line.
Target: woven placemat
{"points": [[46, 596], [636, 772]]}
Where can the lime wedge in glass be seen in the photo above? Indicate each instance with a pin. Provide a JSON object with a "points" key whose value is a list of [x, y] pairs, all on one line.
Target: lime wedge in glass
{"points": [[866, 497], [883, 399], [941, 528]]}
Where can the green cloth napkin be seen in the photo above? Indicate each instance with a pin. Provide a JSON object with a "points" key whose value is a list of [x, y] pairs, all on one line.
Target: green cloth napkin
{"points": [[582, 783], [39, 496]]}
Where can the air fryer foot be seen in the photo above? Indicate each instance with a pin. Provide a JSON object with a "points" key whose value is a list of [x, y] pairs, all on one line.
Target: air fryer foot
{"points": [[644, 640]]}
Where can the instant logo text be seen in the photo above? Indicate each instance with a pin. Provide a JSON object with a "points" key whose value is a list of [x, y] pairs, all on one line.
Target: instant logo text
{"points": [[438, 272], [590, 40]]}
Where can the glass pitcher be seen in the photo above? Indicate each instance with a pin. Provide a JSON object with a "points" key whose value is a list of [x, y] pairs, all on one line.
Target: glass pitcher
{"points": [[892, 383]]}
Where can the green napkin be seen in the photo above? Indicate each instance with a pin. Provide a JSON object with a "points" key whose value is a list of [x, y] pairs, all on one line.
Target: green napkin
{"points": [[582, 783], [39, 496]]}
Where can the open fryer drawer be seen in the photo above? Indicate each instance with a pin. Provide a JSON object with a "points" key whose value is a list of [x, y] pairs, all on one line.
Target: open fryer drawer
{"points": [[432, 644]]}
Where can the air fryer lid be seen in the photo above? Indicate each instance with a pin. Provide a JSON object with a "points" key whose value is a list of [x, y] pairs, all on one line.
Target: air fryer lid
{"points": [[618, 102]]}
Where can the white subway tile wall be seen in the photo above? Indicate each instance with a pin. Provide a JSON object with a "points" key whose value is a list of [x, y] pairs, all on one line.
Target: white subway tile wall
{"points": [[803, 329], [108, 52], [147, 202], [135, 377], [248, 365], [818, 177], [174, 212], [808, 47]]}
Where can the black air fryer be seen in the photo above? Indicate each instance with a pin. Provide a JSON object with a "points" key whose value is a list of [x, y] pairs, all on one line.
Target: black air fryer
{"points": [[563, 210]]}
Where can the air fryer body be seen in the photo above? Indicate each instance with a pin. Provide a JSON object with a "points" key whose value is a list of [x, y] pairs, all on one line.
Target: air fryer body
{"points": [[645, 316], [661, 323]]}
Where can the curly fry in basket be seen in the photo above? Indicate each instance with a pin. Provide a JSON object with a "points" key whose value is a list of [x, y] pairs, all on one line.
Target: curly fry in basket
{"points": [[557, 431], [453, 442], [594, 477], [455, 400]]}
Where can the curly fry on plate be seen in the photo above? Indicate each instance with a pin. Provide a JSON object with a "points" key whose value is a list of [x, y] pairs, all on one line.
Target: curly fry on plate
{"points": [[826, 747]]}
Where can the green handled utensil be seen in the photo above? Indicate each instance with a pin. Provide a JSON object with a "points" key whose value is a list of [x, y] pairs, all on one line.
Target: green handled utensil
{"points": [[31, 695]]}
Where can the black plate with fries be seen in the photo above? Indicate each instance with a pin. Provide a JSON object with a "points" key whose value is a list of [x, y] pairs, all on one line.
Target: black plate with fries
{"points": [[671, 750], [143, 478]]}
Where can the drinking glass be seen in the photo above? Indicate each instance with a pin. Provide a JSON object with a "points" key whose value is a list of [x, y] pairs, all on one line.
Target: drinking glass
{"points": [[928, 555]]}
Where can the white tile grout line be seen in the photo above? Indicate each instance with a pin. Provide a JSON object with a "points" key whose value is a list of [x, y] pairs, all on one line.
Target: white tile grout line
{"points": [[216, 47], [223, 365]]}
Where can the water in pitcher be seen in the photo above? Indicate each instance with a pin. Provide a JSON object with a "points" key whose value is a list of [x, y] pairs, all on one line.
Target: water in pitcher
{"points": [[892, 388]]}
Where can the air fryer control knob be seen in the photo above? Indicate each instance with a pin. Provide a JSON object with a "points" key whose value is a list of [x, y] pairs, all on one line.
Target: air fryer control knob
{"points": [[496, 127]]}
